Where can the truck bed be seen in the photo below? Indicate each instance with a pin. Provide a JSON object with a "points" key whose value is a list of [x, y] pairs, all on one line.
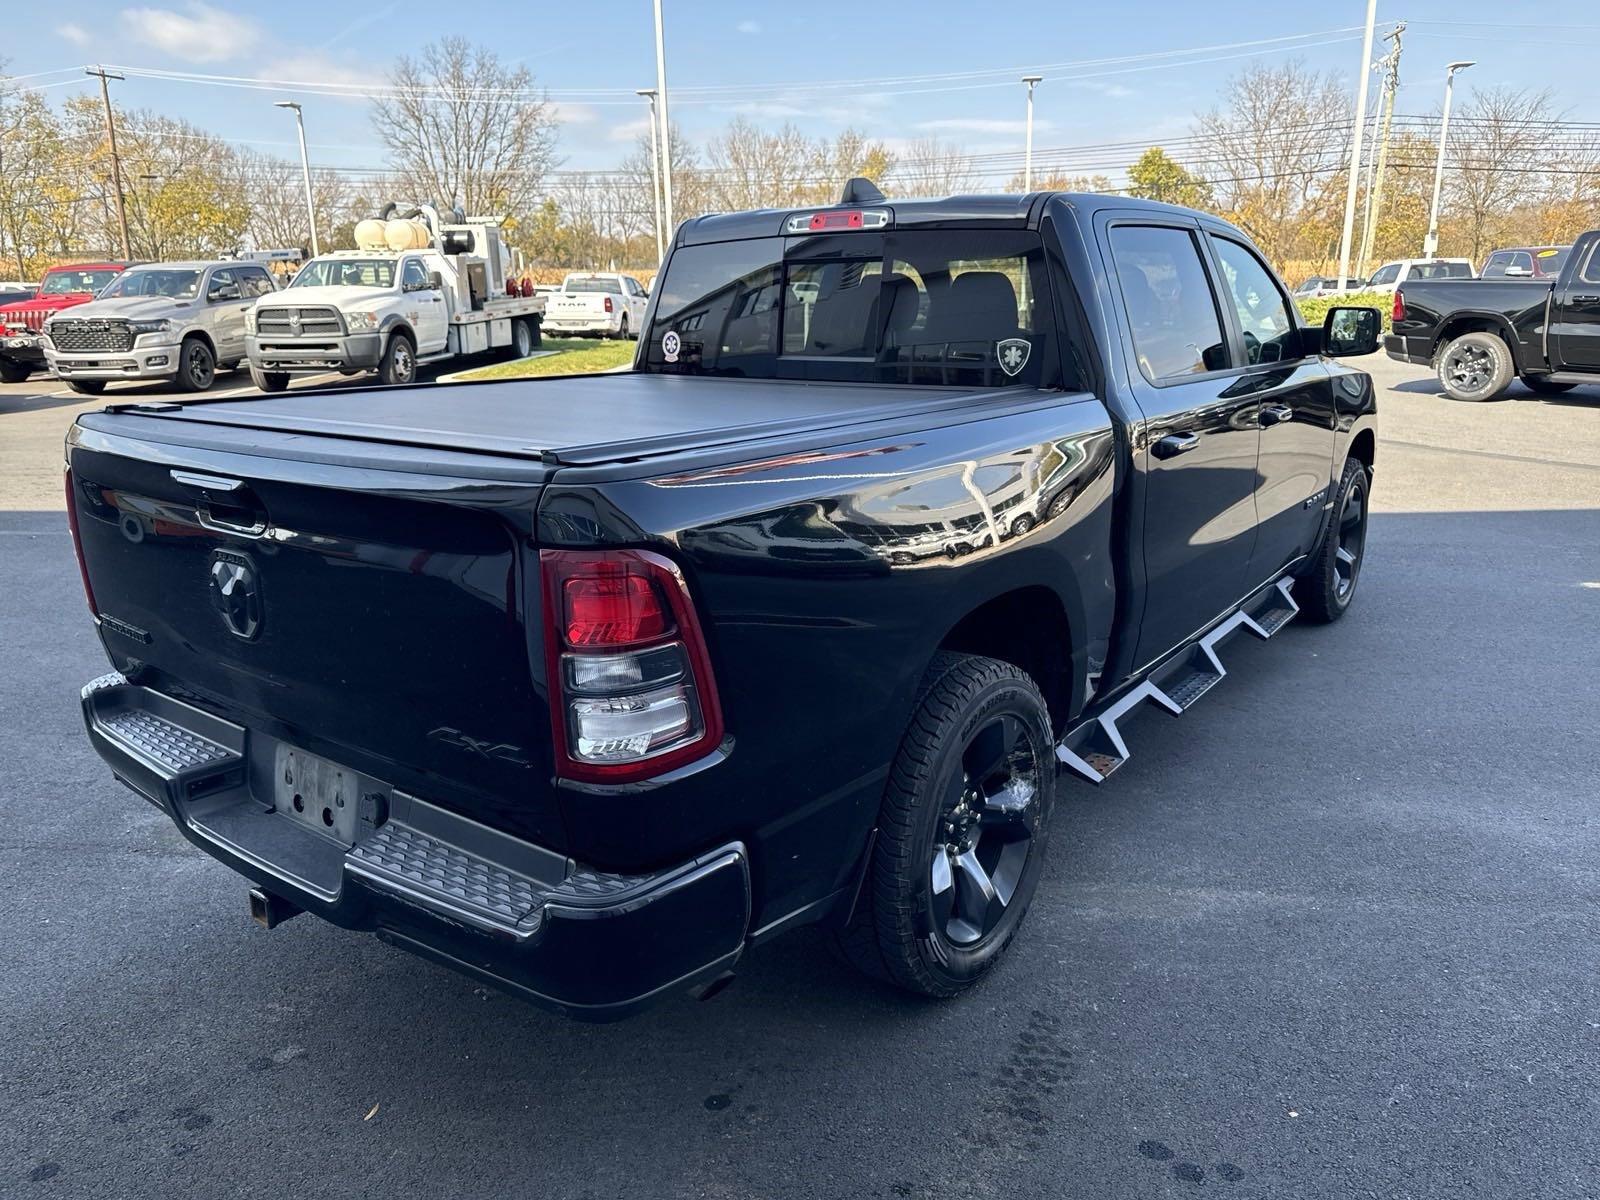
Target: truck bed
{"points": [[574, 420]]}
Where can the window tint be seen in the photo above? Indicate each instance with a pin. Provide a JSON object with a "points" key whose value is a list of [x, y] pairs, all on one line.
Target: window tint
{"points": [[414, 276], [1269, 330], [1517, 262], [1552, 259], [1176, 328], [1591, 269], [1440, 270], [255, 280], [961, 308], [221, 281], [1386, 274]]}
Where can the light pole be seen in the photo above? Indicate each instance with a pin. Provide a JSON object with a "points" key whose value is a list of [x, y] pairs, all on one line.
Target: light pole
{"points": [[655, 171], [305, 169], [666, 123], [1430, 243], [1354, 175], [1027, 150]]}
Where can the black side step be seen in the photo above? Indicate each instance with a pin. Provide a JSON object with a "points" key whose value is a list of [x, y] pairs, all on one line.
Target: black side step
{"points": [[1095, 748]]}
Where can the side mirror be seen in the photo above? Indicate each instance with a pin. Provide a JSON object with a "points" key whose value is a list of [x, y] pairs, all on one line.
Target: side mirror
{"points": [[225, 291], [1518, 272], [436, 281], [1348, 332]]}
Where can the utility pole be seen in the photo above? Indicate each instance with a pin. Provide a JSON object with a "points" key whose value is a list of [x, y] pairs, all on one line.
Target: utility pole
{"points": [[1391, 84], [1430, 243], [1027, 153], [655, 171], [116, 162], [666, 123], [305, 169], [1354, 181]]}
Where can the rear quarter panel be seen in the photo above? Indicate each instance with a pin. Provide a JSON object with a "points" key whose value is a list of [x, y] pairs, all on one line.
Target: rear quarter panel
{"points": [[827, 580], [1517, 309]]}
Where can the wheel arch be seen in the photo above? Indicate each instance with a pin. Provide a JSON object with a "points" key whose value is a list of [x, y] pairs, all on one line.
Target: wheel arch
{"points": [[1029, 628], [1364, 446], [203, 335], [1478, 321]]}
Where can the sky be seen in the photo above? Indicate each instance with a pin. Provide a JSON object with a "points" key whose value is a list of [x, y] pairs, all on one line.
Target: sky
{"points": [[1134, 70]]}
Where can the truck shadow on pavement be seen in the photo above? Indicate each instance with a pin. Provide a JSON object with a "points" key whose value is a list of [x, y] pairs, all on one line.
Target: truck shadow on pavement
{"points": [[1322, 894]]}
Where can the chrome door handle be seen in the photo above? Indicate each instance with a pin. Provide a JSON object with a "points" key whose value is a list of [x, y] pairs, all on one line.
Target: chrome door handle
{"points": [[1276, 414], [1175, 444], [1586, 300]]}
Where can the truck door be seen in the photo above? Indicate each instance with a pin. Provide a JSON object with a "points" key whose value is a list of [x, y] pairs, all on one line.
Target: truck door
{"points": [[429, 314], [1575, 315], [1197, 448], [226, 299], [1295, 409]]}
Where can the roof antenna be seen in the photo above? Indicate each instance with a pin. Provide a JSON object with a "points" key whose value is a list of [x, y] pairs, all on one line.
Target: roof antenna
{"points": [[861, 190]]}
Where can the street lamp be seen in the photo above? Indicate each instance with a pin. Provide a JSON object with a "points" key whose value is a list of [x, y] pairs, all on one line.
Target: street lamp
{"points": [[655, 170], [1027, 152], [666, 121], [305, 168], [1430, 243]]}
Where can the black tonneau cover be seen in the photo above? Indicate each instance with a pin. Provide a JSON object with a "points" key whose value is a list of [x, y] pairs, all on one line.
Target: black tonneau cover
{"points": [[572, 420]]}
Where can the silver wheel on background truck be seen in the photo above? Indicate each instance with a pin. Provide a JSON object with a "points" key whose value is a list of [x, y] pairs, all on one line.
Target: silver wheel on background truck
{"points": [[398, 366], [1475, 366], [523, 342]]}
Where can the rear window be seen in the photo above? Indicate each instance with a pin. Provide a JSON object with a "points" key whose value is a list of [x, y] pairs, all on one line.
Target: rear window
{"points": [[1549, 261], [1502, 262], [1441, 270], [959, 308], [576, 286]]}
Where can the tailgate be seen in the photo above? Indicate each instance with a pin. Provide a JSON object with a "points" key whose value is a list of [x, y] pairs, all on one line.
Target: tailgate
{"points": [[338, 608], [570, 306]]}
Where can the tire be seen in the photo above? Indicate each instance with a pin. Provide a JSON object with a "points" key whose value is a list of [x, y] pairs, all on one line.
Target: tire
{"points": [[523, 340], [622, 328], [13, 372], [197, 365], [269, 381], [1328, 586], [1475, 367], [398, 366], [87, 387], [951, 873], [1546, 387]]}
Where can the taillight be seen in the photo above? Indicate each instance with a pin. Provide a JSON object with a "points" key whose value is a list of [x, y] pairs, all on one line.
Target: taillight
{"points": [[631, 690], [608, 304], [77, 544], [1398, 313]]}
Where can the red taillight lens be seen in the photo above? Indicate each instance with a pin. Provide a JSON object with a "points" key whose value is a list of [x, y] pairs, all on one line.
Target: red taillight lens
{"points": [[631, 690], [615, 607], [1398, 313], [608, 304], [77, 544]]}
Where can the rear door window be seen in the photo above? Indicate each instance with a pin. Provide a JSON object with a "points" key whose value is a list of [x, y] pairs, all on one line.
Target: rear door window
{"points": [[1177, 330]]}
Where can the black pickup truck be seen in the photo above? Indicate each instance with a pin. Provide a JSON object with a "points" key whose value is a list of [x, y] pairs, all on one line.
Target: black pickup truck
{"points": [[1479, 334], [583, 686]]}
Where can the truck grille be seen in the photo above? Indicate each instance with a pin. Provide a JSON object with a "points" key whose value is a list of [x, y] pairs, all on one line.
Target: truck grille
{"points": [[32, 320], [92, 335], [315, 322]]}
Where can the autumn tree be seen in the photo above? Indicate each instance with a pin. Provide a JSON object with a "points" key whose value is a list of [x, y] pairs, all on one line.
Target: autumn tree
{"points": [[1159, 176], [1060, 181], [31, 190], [464, 128]]}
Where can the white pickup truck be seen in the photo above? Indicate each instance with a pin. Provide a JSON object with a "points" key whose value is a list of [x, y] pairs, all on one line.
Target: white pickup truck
{"points": [[602, 304], [418, 290]]}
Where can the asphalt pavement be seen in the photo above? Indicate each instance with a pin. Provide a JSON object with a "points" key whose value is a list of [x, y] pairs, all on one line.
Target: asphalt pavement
{"points": [[1331, 934]]}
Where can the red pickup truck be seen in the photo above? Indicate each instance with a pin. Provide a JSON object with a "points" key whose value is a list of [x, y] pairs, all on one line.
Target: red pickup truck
{"points": [[22, 324]]}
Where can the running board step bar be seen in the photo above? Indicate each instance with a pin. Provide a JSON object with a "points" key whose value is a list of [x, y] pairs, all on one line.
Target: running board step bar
{"points": [[1095, 748]]}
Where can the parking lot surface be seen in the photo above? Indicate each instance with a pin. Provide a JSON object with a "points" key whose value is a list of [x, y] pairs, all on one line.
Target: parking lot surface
{"points": [[1331, 934]]}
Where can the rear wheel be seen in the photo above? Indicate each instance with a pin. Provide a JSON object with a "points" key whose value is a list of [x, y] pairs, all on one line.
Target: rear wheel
{"points": [[89, 387], [523, 341], [1325, 591], [269, 381], [622, 328], [12, 371], [398, 366], [197, 366], [961, 834], [1546, 387], [1475, 366]]}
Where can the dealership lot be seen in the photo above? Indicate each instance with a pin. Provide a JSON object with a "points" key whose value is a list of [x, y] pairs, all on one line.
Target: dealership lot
{"points": [[1331, 934]]}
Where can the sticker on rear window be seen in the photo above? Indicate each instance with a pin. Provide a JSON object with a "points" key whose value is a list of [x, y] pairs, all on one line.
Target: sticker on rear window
{"points": [[670, 346], [1013, 354]]}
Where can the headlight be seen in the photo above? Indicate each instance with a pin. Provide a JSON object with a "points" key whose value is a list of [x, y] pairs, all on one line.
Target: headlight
{"points": [[356, 322], [150, 326]]}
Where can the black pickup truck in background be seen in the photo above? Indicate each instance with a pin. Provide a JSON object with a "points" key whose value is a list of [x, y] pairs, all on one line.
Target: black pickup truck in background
{"points": [[583, 686], [1480, 334]]}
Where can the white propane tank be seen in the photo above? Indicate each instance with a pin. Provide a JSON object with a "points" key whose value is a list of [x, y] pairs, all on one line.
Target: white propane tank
{"points": [[407, 234], [369, 235]]}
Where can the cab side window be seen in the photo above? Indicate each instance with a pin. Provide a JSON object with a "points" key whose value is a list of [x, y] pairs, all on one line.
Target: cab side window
{"points": [[1264, 316], [254, 281], [414, 278], [222, 286], [1591, 268], [1387, 274], [1177, 330]]}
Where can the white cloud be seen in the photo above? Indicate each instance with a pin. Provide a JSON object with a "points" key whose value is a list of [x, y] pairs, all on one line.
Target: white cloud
{"points": [[980, 125], [76, 34], [1112, 91], [572, 114], [315, 68], [748, 27], [628, 131], [200, 33]]}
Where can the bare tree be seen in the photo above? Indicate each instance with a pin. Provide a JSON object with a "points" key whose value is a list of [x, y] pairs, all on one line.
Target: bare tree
{"points": [[277, 202], [1499, 163], [931, 167], [462, 127]]}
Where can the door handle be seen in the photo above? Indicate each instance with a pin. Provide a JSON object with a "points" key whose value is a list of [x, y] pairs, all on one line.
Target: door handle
{"points": [[1586, 300], [1175, 444], [1275, 414]]}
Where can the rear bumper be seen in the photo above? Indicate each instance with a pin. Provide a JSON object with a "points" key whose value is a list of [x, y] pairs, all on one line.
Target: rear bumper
{"points": [[584, 943], [1408, 349], [558, 325], [348, 352]]}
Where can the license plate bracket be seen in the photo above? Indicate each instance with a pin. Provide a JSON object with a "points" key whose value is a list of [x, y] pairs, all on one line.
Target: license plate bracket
{"points": [[317, 793]]}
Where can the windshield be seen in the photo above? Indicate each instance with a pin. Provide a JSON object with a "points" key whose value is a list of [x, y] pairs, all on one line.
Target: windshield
{"points": [[346, 272], [65, 283], [593, 284], [964, 308], [155, 281]]}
